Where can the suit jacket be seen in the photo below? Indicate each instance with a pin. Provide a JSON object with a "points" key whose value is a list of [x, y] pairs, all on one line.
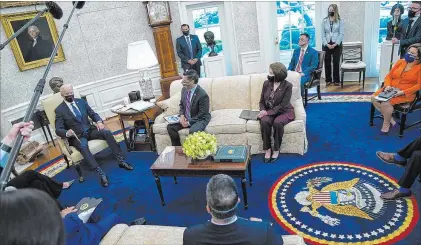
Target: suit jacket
{"points": [[41, 50], [390, 30], [199, 106], [79, 233], [282, 99], [337, 33], [183, 50], [310, 61], [414, 35], [65, 119], [242, 232]]}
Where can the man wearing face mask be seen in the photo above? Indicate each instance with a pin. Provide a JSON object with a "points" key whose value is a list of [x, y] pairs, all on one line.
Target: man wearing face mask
{"points": [[411, 28], [304, 60], [72, 122], [194, 108], [189, 50]]}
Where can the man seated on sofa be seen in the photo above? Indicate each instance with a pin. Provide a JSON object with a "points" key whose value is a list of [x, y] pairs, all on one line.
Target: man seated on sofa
{"points": [[194, 108], [304, 60], [225, 227], [72, 122]]}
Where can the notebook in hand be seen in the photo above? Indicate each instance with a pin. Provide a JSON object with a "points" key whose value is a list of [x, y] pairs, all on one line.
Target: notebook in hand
{"points": [[249, 115], [86, 207], [172, 119], [387, 95]]}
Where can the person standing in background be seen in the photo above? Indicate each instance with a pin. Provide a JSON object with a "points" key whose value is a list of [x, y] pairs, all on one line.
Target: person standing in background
{"points": [[189, 50], [396, 12], [332, 37]]}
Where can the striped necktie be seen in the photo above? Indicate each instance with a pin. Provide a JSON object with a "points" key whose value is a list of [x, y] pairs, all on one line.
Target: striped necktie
{"points": [[300, 61], [187, 111], [190, 47]]}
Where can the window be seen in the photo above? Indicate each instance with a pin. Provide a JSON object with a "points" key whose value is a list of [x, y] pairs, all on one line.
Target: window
{"points": [[385, 8], [294, 18], [207, 19]]}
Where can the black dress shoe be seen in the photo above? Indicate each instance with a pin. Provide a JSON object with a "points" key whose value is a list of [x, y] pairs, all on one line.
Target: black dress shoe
{"points": [[139, 221], [125, 165], [274, 159], [104, 181], [266, 160]]}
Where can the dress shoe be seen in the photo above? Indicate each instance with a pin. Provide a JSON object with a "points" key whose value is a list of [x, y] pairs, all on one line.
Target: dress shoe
{"points": [[104, 181], [396, 194], [274, 159], [266, 160], [125, 165], [337, 84], [139, 221], [389, 158], [384, 133]]}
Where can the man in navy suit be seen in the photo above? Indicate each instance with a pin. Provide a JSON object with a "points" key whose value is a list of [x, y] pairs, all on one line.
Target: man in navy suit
{"points": [[72, 122], [225, 227], [194, 108], [304, 60], [189, 50]]}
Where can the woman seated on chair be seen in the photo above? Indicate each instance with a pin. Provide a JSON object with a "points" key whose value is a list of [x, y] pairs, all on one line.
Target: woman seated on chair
{"points": [[275, 109], [405, 76]]}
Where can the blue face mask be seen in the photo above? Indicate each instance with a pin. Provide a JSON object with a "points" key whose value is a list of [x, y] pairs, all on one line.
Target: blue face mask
{"points": [[409, 57]]}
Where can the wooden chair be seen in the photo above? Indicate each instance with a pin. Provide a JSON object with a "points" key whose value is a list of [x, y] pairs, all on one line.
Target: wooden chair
{"points": [[69, 152], [401, 110], [315, 80], [352, 56]]}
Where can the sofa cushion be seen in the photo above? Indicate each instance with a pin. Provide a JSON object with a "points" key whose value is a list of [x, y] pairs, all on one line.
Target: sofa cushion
{"points": [[231, 93], [152, 234], [292, 127], [226, 121], [256, 85]]}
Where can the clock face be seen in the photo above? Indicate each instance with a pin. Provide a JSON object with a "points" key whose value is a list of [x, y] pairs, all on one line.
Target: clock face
{"points": [[158, 12]]}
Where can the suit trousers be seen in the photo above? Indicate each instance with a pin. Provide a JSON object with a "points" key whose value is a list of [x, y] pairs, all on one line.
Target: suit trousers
{"points": [[334, 53], [412, 153], [103, 226], [94, 134], [278, 123], [174, 128]]}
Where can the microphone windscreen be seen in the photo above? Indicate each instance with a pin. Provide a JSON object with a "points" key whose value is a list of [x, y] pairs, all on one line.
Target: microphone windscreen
{"points": [[79, 4], [54, 9]]}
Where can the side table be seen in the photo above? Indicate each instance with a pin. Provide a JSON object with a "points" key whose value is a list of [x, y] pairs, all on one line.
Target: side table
{"points": [[145, 116]]}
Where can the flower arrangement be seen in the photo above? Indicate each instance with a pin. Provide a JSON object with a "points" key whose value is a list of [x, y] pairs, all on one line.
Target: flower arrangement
{"points": [[199, 145]]}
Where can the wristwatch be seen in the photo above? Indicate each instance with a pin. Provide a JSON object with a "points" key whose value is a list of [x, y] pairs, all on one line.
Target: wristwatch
{"points": [[5, 148]]}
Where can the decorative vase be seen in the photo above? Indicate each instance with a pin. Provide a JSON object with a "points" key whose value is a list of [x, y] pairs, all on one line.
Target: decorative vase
{"points": [[199, 159]]}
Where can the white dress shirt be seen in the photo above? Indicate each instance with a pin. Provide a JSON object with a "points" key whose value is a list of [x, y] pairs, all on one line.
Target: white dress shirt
{"points": [[71, 108]]}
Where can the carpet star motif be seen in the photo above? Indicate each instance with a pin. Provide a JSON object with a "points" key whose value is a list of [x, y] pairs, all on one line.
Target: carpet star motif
{"points": [[376, 178], [341, 237], [304, 226], [386, 227], [284, 206], [298, 222], [346, 169], [390, 189], [358, 236], [380, 230], [317, 232], [395, 219], [325, 234], [366, 235], [399, 201], [350, 237], [333, 236], [399, 206], [374, 233], [310, 229], [391, 223], [293, 219], [359, 171]]}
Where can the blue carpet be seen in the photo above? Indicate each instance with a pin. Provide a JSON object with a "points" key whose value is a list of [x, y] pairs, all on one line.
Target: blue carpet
{"points": [[337, 132]]}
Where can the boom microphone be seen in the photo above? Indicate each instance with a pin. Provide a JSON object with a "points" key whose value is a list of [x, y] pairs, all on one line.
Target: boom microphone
{"points": [[79, 4], [54, 9]]}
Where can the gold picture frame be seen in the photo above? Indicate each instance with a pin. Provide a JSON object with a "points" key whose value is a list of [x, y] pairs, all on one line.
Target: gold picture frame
{"points": [[11, 4], [31, 52]]}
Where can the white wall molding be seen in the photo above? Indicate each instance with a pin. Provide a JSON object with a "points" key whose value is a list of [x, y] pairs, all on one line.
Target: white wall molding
{"points": [[102, 95], [251, 62], [268, 32]]}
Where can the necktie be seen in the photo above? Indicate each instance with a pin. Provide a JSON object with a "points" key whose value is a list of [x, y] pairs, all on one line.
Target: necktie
{"points": [[190, 48], [77, 112], [409, 28], [300, 61], [187, 111]]}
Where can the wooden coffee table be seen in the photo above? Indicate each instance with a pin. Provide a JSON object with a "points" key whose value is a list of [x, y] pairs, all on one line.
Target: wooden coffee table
{"points": [[175, 163]]}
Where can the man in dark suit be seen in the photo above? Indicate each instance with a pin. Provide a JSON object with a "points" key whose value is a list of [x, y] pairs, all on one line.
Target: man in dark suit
{"points": [[304, 60], [411, 27], [225, 227], [410, 158], [189, 50], [37, 47], [72, 122], [194, 108]]}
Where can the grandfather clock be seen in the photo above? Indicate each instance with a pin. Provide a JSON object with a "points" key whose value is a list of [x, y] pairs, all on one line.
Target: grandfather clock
{"points": [[159, 18]]}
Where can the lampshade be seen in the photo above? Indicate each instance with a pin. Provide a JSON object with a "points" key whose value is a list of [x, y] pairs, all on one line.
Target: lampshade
{"points": [[140, 56]]}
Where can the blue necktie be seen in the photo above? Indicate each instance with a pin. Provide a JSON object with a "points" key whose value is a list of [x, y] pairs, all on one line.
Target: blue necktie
{"points": [[77, 112], [190, 48]]}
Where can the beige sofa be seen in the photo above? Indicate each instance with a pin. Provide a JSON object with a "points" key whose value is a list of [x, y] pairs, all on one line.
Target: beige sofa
{"points": [[122, 234], [228, 97]]}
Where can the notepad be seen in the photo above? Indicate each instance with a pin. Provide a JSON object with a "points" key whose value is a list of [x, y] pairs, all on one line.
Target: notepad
{"points": [[249, 115]]}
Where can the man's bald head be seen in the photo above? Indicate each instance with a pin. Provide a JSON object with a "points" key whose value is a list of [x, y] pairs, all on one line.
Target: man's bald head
{"points": [[66, 89]]}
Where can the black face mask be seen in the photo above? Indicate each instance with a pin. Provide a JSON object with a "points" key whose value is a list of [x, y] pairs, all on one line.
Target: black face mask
{"points": [[411, 14], [186, 33], [331, 13], [69, 98], [271, 78]]}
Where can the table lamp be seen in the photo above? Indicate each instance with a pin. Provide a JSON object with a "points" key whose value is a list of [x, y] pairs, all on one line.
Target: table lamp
{"points": [[141, 56]]}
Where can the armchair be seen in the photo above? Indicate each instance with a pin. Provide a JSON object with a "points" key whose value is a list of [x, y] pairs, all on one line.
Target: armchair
{"points": [[69, 152], [315, 79]]}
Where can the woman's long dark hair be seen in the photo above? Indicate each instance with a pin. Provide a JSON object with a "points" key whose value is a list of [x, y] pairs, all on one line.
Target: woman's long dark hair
{"points": [[29, 217]]}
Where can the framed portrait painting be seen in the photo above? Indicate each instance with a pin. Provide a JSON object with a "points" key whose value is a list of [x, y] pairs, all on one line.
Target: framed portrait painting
{"points": [[33, 47]]}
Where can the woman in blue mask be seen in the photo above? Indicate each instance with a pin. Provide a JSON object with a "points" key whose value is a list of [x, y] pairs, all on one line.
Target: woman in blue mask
{"points": [[404, 76]]}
